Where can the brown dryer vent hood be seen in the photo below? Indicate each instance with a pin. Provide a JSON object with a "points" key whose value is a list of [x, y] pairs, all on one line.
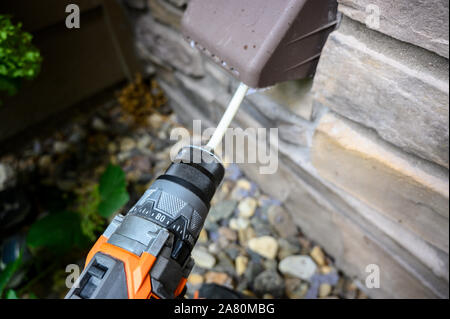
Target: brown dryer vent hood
{"points": [[262, 42]]}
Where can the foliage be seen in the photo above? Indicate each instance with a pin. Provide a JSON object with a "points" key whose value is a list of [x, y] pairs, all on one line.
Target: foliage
{"points": [[63, 230], [87, 203], [65, 227], [113, 191], [19, 58], [11, 294], [57, 231], [8, 272]]}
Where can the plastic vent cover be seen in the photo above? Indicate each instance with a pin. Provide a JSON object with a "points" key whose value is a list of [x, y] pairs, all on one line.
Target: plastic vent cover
{"points": [[261, 42]]}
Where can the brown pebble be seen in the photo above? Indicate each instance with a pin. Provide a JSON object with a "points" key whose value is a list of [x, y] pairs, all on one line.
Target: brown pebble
{"points": [[195, 279], [228, 233], [219, 278]]}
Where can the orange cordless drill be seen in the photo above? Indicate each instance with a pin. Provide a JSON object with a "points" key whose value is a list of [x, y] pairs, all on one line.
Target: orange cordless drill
{"points": [[146, 254]]}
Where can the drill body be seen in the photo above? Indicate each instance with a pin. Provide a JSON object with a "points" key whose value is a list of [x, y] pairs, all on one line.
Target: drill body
{"points": [[147, 253]]}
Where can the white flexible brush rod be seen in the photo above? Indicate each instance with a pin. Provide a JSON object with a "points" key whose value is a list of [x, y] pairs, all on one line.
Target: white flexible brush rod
{"points": [[227, 118]]}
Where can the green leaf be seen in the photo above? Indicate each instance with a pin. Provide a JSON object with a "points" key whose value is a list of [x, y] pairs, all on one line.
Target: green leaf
{"points": [[8, 272], [58, 231], [111, 180], [113, 191], [11, 294], [112, 204]]}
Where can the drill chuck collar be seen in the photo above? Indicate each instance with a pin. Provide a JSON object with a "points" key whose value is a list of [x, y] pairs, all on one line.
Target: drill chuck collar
{"points": [[146, 254]]}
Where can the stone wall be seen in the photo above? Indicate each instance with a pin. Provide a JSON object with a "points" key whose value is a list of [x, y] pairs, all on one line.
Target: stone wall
{"points": [[363, 147]]}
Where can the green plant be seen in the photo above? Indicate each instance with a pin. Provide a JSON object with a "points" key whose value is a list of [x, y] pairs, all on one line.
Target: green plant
{"points": [[57, 231], [98, 202], [19, 58], [11, 294], [78, 227], [73, 225], [113, 191], [7, 273], [87, 202]]}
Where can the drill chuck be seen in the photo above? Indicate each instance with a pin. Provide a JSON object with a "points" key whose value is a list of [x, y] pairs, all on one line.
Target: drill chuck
{"points": [[146, 254]]}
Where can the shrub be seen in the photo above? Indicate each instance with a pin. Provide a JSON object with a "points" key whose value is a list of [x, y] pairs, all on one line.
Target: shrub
{"points": [[19, 58]]}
